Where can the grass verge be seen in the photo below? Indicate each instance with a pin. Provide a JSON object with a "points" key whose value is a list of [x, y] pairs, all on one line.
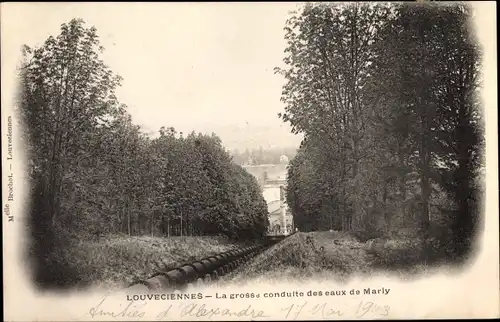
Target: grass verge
{"points": [[117, 261]]}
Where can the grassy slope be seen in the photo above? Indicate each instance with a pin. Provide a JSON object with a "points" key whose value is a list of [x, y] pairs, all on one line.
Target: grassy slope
{"points": [[334, 255], [117, 261]]}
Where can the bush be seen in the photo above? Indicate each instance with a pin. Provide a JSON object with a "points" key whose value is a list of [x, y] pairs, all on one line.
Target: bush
{"points": [[392, 253]]}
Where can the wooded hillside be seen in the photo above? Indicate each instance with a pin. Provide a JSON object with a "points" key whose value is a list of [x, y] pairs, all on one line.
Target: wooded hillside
{"points": [[386, 97]]}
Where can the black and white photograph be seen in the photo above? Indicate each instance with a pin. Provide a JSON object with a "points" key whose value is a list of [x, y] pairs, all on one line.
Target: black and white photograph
{"points": [[182, 154]]}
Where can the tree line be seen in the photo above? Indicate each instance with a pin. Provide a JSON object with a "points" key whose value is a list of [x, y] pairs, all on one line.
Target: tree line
{"points": [[93, 172], [386, 97]]}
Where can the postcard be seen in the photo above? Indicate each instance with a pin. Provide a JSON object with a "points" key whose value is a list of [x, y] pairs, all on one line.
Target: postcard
{"points": [[249, 161]]}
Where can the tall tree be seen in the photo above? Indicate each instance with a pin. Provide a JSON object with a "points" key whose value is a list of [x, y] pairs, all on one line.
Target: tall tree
{"points": [[68, 91], [326, 94]]}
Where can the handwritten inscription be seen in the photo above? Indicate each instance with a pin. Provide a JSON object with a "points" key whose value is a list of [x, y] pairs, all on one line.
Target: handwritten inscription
{"points": [[371, 308], [136, 310], [132, 310], [325, 311], [197, 310], [329, 311]]}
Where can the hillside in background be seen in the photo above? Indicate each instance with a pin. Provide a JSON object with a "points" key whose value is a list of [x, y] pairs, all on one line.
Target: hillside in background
{"points": [[253, 136], [261, 156], [237, 137]]}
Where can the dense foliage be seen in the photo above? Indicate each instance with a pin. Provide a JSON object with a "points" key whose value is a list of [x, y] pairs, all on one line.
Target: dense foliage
{"points": [[386, 97], [93, 172]]}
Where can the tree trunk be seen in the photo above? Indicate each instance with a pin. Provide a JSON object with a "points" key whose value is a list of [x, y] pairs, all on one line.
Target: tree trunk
{"points": [[128, 221], [343, 176], [181, 226], [152, 226], [127, 215], [355, 210], [401, 181], [463, 224], [387, 214], [425, 191]]}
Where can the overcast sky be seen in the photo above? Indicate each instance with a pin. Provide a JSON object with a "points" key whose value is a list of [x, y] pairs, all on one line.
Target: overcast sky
{"points": [[207, 67]]}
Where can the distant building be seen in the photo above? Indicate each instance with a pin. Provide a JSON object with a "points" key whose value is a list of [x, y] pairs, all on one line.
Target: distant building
{"points": [[272, 179]]}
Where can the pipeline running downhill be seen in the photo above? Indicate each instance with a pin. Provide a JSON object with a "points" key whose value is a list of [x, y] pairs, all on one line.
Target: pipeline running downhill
{"points": [[203, 271]]}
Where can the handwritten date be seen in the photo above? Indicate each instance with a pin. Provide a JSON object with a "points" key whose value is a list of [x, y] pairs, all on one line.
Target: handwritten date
{"points": [[329, 311]]}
